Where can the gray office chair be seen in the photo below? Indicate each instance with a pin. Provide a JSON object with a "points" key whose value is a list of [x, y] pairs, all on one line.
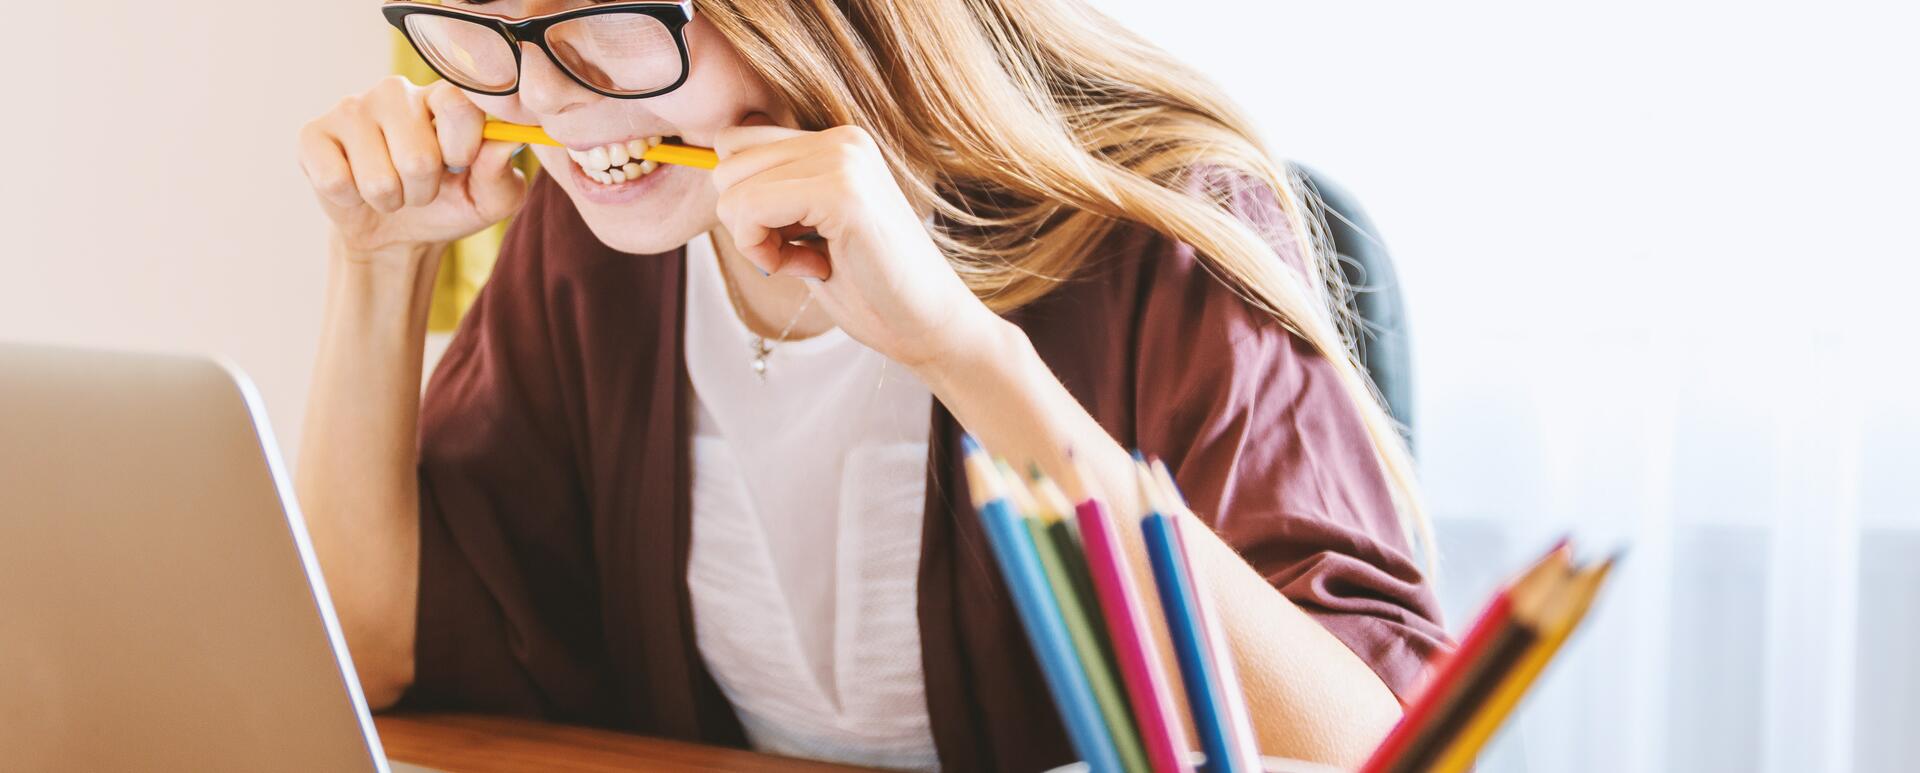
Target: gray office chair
{"points": [[1381, 341]]}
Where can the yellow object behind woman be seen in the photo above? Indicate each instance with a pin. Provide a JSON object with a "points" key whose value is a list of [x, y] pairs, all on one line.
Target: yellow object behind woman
{"points": [[468, 262]]}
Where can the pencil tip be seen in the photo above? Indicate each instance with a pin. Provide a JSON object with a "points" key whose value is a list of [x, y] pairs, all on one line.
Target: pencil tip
{"points": [[968, 445], [1562, 547], [1143, 481], [1033, 471], [1138, 456], [1168, 486]]}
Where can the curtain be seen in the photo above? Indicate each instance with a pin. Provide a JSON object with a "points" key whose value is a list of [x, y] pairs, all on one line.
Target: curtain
{"points": [[1765, 477]]}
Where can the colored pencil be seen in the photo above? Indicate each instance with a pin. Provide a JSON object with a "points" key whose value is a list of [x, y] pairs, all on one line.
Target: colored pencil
{"points": [[1039, 612], [1054, 512], [1444, 681], [1073, 590], [1161, 729], [1197, 669], [1061, 555], [1481, 673], [683, 155], [1450, 677], [1245, 746], [1570, 607]]}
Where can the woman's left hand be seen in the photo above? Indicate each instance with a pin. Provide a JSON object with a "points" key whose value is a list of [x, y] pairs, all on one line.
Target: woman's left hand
{"points": [[875, 269]]}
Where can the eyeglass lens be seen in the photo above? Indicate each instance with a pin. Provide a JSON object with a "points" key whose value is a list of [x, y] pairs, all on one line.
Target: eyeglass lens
{"points": [[621, 53]]}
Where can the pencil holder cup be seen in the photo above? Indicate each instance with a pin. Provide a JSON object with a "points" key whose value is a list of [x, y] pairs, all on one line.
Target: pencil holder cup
{"points": [[1269, 764]]}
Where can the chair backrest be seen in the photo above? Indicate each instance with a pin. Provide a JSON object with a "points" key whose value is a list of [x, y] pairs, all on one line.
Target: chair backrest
{"points": [[1381, 342]]}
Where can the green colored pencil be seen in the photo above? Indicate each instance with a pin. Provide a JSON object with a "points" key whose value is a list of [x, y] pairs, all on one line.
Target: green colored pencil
{"points": [[1078, 608]]}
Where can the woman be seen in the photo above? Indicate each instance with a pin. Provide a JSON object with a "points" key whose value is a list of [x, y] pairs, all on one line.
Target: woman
{"points": [[684, 473]]}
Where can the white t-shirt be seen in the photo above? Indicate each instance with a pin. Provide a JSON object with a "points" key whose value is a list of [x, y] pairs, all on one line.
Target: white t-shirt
{"points": [[808, 491]]}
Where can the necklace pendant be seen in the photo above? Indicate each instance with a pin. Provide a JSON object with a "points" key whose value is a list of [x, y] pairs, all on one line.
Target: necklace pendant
{"points": [[760, 352]]}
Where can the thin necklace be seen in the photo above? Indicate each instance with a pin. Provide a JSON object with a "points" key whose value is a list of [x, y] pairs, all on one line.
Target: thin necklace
{"points": [[760, 346]]}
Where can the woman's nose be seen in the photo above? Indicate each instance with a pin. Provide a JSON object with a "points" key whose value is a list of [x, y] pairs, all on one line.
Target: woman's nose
{"points": [[544, 88]]}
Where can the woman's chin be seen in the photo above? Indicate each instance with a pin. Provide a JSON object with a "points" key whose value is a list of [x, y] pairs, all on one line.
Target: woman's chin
{"points": [[640, 230], [650, 237]]}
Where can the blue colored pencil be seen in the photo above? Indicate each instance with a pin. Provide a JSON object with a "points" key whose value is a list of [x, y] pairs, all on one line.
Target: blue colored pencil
{"points": [[1239, 723], [1178, 600], [1039, 614]]}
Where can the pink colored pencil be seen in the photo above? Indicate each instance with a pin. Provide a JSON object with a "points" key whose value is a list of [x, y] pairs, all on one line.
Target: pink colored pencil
{"points": [[1153, 706]]}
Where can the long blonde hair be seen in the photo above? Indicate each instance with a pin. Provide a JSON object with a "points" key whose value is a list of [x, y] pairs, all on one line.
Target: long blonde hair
{"points": [[1032, 129]]}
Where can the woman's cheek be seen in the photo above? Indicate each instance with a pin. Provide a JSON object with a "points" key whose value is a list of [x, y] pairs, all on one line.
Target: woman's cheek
{"points": [[551, 158], [504, 107]]}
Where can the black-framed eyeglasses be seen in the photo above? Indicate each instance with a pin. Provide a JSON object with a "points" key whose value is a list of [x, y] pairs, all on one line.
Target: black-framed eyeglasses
{"points": [[620, 50]]}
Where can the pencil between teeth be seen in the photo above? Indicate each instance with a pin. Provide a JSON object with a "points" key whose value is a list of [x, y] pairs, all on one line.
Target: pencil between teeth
{"points": [[683, 155]]}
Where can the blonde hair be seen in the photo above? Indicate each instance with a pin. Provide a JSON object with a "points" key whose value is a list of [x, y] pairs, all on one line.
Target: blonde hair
{"points": [[1033, 128]]}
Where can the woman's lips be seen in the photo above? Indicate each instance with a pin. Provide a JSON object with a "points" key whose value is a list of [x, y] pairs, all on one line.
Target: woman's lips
{"points": [[616, 162], [624, 192]]}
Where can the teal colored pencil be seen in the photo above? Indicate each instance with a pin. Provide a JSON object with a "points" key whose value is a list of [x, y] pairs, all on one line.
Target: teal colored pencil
{"points": [[1015, 552]]}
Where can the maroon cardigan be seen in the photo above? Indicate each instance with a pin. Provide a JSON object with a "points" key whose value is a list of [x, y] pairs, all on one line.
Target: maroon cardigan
{"points": [[554, 484]]}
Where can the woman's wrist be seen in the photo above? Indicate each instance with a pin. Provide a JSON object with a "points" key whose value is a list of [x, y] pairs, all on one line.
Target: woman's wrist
{"points": [[983, 341], [401, 260], [388, 289]]}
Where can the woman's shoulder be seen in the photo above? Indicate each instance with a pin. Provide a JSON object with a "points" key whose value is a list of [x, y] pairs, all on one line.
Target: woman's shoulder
{"points": [[1137, 269]]}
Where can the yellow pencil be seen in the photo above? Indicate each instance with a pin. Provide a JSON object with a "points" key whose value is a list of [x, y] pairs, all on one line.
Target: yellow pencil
{"points": [[1480, 729], [513, 132], [684, 155]]}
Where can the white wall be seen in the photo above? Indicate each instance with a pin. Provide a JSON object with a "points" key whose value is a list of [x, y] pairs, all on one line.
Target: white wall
{"points": [[151, 199]]}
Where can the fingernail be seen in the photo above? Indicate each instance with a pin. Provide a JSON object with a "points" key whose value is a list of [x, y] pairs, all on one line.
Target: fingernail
{"points": [[456, 170]]}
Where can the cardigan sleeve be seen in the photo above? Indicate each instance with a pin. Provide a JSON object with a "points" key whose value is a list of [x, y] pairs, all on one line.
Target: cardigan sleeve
{"points": [[507, 617], [1269, 449]]}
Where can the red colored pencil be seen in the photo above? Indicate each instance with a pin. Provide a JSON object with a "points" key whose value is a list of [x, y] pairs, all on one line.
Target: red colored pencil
{"points": [[1450, 678]]}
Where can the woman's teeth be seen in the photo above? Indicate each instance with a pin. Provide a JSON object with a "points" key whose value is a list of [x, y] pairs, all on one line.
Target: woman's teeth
{"points": [[617, 162]]}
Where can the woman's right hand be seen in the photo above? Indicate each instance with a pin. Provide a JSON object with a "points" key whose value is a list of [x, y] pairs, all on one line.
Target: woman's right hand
{"points": [[401, 167]]}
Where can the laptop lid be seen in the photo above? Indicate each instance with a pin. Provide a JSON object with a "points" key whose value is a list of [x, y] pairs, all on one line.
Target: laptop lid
{"points": [[160, 604]]}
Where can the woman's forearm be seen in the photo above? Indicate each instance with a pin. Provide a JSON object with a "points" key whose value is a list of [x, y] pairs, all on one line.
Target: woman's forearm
{"points": [[356, 478], [1310, 696]]}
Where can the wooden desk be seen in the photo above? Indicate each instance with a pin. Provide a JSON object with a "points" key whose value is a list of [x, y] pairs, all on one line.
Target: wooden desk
{"points": [[465, 743]]}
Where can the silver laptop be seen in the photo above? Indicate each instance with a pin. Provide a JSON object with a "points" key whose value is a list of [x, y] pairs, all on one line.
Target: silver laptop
{"points": [[160, 605]]}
